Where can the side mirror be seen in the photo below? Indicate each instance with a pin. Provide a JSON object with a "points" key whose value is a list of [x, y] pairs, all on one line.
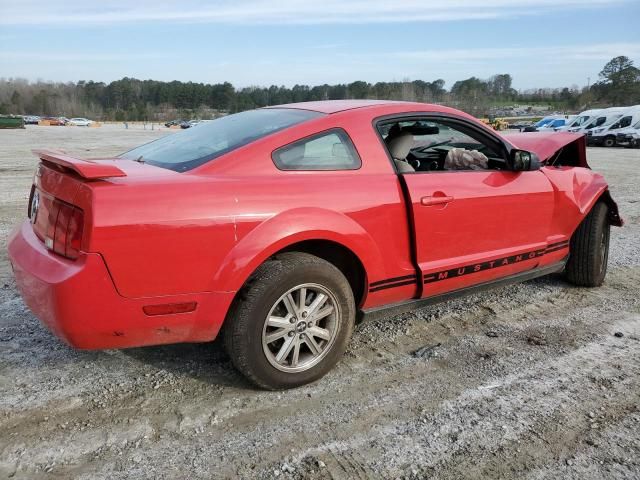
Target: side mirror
{"points": [[522, 161]]}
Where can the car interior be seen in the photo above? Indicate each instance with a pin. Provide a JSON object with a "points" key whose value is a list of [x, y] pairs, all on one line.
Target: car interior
{"points": [[427, 146]]}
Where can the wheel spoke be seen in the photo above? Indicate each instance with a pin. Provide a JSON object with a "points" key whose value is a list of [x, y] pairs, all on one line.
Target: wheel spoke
{"points": [[273, 336], [318, 302], [322, 333], [296, 353], [279, 322], [303, 299], [290, 305], [328, 310], [285, 349], [313, 345]]}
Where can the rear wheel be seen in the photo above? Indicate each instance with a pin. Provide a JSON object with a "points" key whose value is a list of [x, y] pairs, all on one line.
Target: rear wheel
{"points": [[291, 323], [589, 249]]}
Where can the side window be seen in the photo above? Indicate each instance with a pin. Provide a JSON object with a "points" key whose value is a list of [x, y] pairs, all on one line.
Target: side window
{"points": [[428, 146], [331, 150], [623, 122]]}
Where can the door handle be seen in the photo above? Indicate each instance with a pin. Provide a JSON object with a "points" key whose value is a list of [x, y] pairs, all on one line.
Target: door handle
{"points": [[440, 200]]}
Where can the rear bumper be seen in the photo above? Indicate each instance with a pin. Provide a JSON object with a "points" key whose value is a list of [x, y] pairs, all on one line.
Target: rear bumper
{"points": [[77, 301]]}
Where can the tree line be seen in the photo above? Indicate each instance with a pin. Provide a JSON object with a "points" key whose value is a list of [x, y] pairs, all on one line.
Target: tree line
{"points": [[152, 100]]}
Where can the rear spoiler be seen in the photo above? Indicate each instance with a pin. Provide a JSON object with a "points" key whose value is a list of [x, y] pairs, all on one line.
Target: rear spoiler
{"points": [[89, 169]]}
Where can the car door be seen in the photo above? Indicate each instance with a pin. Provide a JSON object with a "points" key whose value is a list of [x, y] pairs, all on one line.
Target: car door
{"points": [[476, 224]]}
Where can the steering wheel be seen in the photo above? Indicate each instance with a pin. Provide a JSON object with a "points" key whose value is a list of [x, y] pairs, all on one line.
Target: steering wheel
{"points": [[427, 147]]}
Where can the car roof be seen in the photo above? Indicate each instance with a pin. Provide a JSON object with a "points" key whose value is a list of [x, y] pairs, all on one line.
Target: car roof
{"points": [[334, 106]]}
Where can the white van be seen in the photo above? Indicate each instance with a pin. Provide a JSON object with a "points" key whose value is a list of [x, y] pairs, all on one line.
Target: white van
{"points": [[606, 134], [603, 119], [629, 137], [583, 119]]}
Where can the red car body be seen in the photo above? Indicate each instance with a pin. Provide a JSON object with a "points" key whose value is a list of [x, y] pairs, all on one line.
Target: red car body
{"points": [[161, 254]]}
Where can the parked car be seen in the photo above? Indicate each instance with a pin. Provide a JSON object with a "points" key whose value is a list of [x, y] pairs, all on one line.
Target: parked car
{"points": [[31, 119], [80, 122], [171, 123], [607, 134], [56, 121], [629, 137], [276, 228], [520, 125], [581, 120], [557, 124], [606, 117], [188, 124], [549, 124], [539, 124]]}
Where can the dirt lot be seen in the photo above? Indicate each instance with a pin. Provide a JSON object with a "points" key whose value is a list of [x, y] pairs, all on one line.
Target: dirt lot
{"points": [[539, 380]]}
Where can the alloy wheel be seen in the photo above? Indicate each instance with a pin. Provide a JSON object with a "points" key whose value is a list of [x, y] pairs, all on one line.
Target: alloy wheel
{"points": [[301, 328]]}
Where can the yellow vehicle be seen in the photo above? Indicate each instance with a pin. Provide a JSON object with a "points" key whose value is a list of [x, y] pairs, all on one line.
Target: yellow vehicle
{"points": [[495, 123]]}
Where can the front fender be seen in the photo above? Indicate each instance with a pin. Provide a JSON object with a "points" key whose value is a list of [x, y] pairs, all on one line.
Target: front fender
{"points": [[290, 227], [589, 188], [576, 191]]}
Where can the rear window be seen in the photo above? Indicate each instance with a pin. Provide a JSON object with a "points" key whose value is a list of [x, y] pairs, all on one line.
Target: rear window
{"points": [[209, 140]]}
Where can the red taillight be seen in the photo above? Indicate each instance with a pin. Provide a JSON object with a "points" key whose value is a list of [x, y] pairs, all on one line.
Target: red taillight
{"points": [[74, 233], [58, 224]]}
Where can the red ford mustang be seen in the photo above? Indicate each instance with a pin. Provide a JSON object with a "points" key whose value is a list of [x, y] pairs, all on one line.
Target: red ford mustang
{"points": [[278, 227]]}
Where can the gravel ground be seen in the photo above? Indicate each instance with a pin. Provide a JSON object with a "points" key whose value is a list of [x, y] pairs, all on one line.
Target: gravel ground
{"points": [[539, 380]]}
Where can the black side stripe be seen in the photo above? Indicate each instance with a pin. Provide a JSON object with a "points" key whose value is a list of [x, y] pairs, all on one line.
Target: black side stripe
{"points": [[393, 280], [560, 247], [557, 244], [393, 285], [482, 266], [467, 269]]}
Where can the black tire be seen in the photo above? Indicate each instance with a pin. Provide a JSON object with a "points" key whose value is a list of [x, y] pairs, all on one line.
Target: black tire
{"points": [[245, 322], [589, 249], [609, 141]]}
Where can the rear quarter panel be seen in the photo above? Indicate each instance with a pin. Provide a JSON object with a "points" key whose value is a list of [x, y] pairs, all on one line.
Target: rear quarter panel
{"points": [[207, 230]]}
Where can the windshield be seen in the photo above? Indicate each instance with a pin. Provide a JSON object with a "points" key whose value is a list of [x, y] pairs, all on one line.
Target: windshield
{"points": [[580, 120], [206, 141], [543, 122], [636, 126]]}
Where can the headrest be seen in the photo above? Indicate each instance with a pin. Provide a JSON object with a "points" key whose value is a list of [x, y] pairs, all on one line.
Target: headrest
{"points": [[400, 145]]}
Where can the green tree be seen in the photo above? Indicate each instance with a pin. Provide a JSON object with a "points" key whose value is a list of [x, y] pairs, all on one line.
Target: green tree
{"points": [[619, 82]]}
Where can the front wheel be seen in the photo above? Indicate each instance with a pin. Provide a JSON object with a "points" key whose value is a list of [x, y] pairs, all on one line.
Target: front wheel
{"points": [[589, 249], [291, 322], [609, 142]]}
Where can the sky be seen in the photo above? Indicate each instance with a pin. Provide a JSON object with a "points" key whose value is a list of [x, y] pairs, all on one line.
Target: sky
{"points": [[541, 43]]}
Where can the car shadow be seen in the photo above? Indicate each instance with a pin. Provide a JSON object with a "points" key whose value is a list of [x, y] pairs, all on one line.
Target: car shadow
{"points": [[205, 362], [556, 279], [210, 364]]}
